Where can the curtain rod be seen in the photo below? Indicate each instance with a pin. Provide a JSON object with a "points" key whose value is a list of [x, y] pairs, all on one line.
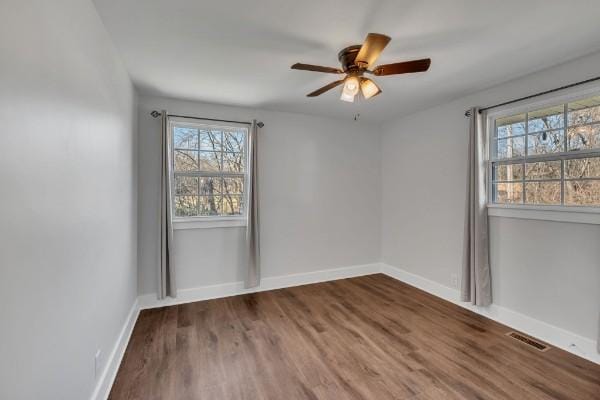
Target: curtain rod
{"points": [[156, 114], [468, 112]]}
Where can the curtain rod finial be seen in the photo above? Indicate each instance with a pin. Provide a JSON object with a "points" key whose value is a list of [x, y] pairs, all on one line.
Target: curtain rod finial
{"points": [[260, 124], [155, 114]]}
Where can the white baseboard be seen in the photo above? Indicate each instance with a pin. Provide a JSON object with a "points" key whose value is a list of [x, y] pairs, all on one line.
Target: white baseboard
{"points": [[558, 337], [268, 283], [111, 367]]}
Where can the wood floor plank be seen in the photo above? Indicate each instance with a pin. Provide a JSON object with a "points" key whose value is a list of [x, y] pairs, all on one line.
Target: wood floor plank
{"points": [[371, 338]]}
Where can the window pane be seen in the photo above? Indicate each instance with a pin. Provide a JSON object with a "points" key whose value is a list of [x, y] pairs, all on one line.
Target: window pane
{"points": [[233, 185], [584, 137], [185, 138], [186, 161], [511, 147], [583, 168], [210, 186], [542, 193], [210, 139], [233, 162], [232, 205], [582, 193], [210, 161], [210, 205], [233, 142], [507, 172], [186, 185], [546, 142], [186, 206], [545, 119], [584, 111], [543, 170], [509, 193], [510, 126]]}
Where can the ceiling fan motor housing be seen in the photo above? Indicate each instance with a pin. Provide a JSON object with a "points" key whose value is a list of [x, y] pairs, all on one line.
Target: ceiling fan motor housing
{"points": [[347, 57]]}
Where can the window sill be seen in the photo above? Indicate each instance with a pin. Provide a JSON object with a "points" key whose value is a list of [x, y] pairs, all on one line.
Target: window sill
{"points": [[208, 222], [578, 215]]}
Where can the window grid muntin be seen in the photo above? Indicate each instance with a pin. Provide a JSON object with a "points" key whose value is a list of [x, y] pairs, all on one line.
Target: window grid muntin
{"points": [[563, 156], [221, 174]]}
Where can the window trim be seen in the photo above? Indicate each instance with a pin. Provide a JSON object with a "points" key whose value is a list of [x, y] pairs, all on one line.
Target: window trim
{"points": [[574, 214], [558, 213], [208, 221], [182, 223]]}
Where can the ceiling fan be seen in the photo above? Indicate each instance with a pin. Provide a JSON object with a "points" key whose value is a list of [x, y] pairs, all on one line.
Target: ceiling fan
{"points": [[358, 60]]}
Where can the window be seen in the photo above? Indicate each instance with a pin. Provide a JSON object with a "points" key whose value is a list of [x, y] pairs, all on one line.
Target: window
{"points": [[209, 169], [548, 156]]}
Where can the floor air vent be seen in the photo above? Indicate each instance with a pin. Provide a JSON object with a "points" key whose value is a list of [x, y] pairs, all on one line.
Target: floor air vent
{"points": [[528, 341]]}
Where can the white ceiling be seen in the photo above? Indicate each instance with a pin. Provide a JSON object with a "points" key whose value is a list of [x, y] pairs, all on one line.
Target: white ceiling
{"points": [[239, 52]]}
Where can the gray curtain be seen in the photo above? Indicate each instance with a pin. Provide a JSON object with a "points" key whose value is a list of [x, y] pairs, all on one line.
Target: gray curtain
{"points": [[166, 275], [476, 285], [252, 227]]}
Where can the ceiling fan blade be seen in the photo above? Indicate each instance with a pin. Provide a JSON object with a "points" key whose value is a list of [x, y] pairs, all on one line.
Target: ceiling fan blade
{"points": [[403, 67], [372, 48], [325, 88], [317, 68]]}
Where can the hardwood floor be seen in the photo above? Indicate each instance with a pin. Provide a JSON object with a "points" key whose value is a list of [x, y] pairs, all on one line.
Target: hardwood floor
{"points": [[362, 338]]}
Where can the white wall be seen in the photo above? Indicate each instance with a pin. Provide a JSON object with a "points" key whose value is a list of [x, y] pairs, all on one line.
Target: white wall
{"points": [[319, 196], [546, 270], [68, 206]]}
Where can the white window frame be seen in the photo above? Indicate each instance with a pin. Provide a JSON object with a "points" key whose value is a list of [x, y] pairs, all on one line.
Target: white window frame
{"points": [[209, 221], [557, 213]]}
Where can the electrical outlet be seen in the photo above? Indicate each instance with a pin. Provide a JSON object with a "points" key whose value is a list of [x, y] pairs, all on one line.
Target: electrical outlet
{"points": [[97, 363], [454, 280]]}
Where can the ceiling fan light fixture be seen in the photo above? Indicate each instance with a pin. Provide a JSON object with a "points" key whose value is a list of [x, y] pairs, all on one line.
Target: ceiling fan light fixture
{"points": [[369, 88], [351, 86], [347, 97]]}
